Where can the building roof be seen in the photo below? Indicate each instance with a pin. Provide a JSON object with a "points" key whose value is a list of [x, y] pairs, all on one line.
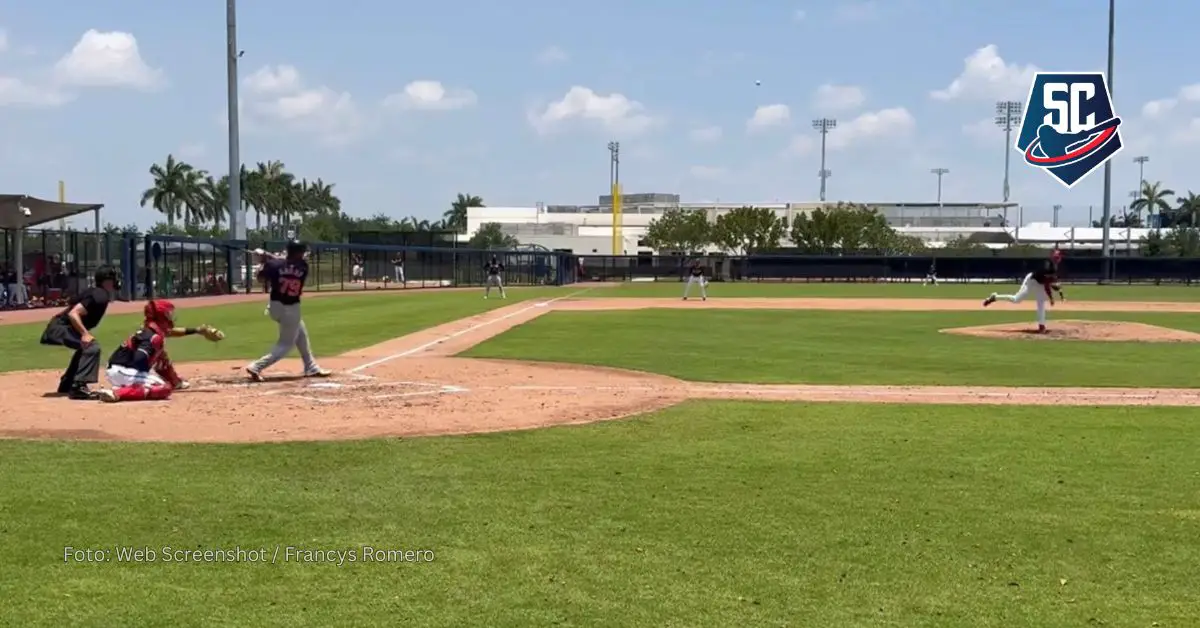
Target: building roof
{"points": [[40, 211]]}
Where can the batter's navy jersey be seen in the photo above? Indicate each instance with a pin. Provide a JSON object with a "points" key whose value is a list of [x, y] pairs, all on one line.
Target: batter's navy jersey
{"points": [[285, 278]]}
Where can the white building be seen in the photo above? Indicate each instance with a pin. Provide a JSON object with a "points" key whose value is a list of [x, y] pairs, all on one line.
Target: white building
{"points": [[588, 228]]}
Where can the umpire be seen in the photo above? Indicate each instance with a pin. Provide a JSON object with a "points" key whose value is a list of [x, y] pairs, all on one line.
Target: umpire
{"points": [[72, 327]]}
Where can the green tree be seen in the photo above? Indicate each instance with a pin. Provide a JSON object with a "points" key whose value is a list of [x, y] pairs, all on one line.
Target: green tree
{"points": [[1154, 245], [1151, 198], [1183, 241], [456, 217], [490, 236], [682, 230], [1187, 212], [748, 230], [846, 228], [174, 188]]}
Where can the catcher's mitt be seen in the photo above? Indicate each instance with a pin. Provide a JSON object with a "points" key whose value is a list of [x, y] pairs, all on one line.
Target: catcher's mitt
{"points": [[211, 333]]}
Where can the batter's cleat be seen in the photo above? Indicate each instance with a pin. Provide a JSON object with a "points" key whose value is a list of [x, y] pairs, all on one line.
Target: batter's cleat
{"points": [[254, 375], [107, 396], [318, 372], [990, 300], [1041, 329]]}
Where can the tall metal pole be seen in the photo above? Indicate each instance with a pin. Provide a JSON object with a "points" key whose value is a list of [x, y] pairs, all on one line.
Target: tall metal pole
{"points": [[237, 221], [1107, 212], [614, 181], [940, 172], [1057, 208], [1141, 160], [1008, 117], [824, 126]]}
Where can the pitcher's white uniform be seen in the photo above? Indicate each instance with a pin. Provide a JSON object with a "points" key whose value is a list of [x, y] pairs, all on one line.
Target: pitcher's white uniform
{"points": [[1039, 283]]}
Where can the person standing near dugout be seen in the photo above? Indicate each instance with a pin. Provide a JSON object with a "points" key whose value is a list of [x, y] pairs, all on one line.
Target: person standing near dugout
{"points": [[72, 328]]}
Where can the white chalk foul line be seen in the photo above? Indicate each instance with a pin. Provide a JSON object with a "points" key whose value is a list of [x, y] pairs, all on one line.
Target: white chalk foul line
{"points": [[462, 332]]}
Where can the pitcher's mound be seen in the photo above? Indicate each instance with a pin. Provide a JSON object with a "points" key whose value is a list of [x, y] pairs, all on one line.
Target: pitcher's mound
{"points": [[1094, 331]]}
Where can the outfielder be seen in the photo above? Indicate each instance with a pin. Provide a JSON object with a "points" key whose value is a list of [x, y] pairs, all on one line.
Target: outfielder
{"points": [[696, 277], [1043, 283], [285, 278], [494, 270], [140, 370]]}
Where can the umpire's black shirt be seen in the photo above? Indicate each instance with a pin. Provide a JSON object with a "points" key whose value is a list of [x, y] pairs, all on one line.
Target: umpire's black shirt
{"points": [[95, 304]]}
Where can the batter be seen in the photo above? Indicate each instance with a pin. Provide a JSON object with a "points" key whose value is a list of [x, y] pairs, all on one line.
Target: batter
{"points": [[285, 279]]}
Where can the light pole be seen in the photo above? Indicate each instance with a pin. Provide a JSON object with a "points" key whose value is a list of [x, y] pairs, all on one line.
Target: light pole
{"points": [[824, 126], [1057, 208], [1008, 117], [940, 172], [614, 184], [237, 222], [1141, 160], [1104, 217]]}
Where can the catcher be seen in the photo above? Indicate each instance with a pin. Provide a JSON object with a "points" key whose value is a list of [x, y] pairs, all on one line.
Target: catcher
{"points": [[140, 369]]}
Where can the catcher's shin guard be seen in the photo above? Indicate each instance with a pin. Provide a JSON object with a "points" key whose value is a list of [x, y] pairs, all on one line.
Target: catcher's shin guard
{"points": [[143, 393]]}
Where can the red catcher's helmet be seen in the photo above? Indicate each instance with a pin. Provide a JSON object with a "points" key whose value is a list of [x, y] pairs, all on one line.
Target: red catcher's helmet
{"points": [[160, 314]]}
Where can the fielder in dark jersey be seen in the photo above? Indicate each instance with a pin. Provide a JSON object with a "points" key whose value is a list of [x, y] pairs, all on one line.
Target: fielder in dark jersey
{"points": [[495, 271], [696, 277], [72, 328], [284, 279]]}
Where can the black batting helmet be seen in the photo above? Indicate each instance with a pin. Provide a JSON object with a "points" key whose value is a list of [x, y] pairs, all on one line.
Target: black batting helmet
{"points": [[107, 273], [296, 249]]}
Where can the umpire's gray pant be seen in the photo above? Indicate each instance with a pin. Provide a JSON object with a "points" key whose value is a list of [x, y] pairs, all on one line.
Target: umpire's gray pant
{"points": [[292, 333]]}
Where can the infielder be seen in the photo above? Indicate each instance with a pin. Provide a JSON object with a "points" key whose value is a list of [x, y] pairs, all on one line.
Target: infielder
{"points": [[931, 276], [696, 277], [494, 270], [140, 370], [1043, 283], [285, 278]]}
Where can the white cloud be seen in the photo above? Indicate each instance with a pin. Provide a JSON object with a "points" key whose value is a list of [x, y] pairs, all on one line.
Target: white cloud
{"points": [[986, 76], [614, 112], [1189, 134], [852, 11], [834, 98], [707, 173], [430, 96], [706, 134], [1161, 107], [107, 59], [18, 93], [552, 55], [192, 150], [892, 123], [269, 80], [984, 131], [279, 99], [801, 145], [768, 116]]}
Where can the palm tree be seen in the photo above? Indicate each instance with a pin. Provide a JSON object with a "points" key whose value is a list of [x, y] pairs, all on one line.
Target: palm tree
{"points": [[456, 217], [173, 188], [1152, 196], [1188, 210], [195, 208]]}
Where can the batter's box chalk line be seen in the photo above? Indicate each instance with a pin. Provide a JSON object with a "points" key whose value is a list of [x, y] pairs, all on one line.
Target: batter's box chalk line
{"points": [[312, 391]]}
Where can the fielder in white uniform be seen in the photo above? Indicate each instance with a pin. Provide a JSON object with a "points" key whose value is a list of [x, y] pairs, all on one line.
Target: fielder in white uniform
{"points": [[696, 277], [1042, 283]]}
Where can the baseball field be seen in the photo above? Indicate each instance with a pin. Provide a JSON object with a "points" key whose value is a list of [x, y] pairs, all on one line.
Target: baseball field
{"points": [[779, 455]]}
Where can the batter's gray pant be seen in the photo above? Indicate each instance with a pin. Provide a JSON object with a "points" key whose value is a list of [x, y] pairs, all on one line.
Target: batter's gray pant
{"points": [[292, 333]]}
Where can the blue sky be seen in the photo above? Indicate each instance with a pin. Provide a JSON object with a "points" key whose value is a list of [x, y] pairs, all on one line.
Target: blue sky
{"points": [[403, 104]]}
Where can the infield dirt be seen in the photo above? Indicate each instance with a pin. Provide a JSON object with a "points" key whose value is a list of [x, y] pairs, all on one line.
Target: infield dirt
{"points": [[412, 386]]}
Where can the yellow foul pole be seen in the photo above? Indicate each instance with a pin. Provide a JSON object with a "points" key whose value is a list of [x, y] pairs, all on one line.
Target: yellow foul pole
{"points": [[618, 244]]}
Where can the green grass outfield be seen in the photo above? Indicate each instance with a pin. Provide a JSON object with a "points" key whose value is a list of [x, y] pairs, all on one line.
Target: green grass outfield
{"points": [[842, 347], [896, 291], [712, 514], [336, 325]]}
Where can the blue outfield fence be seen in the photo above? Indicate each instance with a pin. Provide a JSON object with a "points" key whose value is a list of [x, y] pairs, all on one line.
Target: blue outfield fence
{"points": [[179, 267], [901, 269]]}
